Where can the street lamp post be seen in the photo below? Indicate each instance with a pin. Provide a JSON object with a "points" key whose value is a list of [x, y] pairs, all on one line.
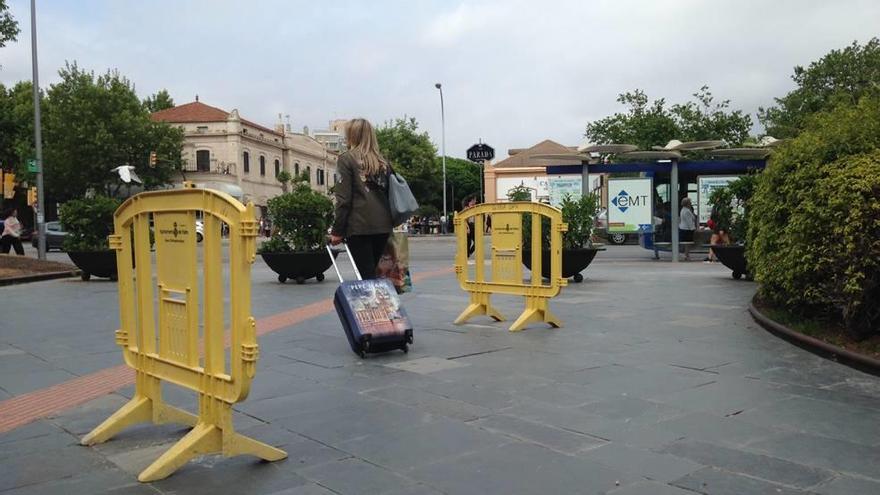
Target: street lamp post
{"points": [[38, 140], [443, 153]]}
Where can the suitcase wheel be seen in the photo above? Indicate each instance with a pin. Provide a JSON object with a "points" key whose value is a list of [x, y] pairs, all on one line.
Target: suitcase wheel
{"points": [[363, 354], [282, 278], [405, 349], [320, 277]]}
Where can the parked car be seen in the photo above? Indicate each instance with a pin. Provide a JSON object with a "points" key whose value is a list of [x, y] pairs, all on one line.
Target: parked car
{"points": [[54, 237]]}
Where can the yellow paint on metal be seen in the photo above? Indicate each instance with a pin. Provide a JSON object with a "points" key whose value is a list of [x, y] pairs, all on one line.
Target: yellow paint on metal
{"points": [[172, 350], [506, 261]]}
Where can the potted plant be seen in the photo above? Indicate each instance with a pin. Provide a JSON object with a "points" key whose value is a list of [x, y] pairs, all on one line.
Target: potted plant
{"points": [[88, 223], [300, 220], [730, 213], [577, 245]]}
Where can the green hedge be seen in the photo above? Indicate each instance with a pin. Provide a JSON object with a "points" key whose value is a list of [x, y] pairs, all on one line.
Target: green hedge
{"points": [[88, 222], [300, 220], [814, 236]]}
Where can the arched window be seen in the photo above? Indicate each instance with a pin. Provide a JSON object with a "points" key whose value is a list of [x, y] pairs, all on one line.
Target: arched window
{"points": [[246, 160], [262, 165], [296, 169], [203, 160], [277, 168], [309, 174]]}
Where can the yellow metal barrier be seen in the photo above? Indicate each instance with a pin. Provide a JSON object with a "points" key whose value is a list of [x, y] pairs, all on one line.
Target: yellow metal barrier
{"points": [[506, 258], [160, 321]]}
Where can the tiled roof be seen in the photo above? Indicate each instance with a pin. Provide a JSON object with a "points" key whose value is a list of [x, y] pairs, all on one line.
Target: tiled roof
{"points": [[198, 112], [523, 158]]}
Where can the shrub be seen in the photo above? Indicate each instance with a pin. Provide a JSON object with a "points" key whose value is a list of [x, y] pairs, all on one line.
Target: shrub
{"points": [[301, 219], [814, 235], [730, 206], [88, 222], [580, 215]]}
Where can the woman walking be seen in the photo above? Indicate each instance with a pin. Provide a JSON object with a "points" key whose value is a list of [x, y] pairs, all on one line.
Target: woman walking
{"points": [[363, 216], [687, 224], [11, 233]]}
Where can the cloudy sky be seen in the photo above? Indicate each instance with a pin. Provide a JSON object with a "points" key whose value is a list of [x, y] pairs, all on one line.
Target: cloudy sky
{"points": [[513, 72]]}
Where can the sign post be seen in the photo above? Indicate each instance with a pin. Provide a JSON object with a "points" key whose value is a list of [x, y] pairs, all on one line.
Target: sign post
{"points": [[481, 153]]}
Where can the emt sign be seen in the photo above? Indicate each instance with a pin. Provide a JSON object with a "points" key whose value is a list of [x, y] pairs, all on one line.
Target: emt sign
{"points": [[630, 206]]}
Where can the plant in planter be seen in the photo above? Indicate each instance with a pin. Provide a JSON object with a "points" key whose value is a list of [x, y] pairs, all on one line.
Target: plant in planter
{"points": [[300, 219], [577, 246], [88, 223], [730, 212]]}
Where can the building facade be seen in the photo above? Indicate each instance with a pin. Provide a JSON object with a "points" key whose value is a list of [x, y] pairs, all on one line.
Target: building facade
{"points": [[223, 151]]}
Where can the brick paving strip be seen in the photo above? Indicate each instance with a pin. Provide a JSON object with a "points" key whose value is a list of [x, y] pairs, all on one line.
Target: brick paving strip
{"points": [[23, 409]]}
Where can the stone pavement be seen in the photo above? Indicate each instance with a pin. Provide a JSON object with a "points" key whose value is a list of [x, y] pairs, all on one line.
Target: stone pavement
{"points": [[659, 383]]}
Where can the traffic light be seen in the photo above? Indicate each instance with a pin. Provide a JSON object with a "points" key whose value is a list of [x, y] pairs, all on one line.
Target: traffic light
{"points": [[153, 159], [32, 196], [8, 185]]}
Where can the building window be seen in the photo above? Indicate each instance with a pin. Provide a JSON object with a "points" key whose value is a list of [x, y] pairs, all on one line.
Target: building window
{"points": [[246, 158], [202, 129], [309, 174], [296, 169], [320, 176], [334, 179], [262, 165], [203, 161], [277, 168]]}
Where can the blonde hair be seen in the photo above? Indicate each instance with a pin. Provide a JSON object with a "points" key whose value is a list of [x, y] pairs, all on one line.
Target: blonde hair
{"points": [[362, 143]]}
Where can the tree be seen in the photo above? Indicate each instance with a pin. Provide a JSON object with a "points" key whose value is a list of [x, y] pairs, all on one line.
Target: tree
{"points": [[463, 177], [8, 25], [17, 126], [159, 101], [96, 123], [647, 124], [841, 76], [414, 156]]}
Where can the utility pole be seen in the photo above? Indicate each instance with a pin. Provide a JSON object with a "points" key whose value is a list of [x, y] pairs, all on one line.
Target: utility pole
{"points": [[439, 86], [38, 139]]}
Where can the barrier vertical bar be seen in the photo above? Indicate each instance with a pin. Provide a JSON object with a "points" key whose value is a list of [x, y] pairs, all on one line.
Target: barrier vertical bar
{"points": [[213, 313]]}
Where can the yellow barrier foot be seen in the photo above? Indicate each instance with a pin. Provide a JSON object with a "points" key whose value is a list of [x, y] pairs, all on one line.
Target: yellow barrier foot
{"points": [[536, 314], [479, 305], [206, 439], [138, 410]]}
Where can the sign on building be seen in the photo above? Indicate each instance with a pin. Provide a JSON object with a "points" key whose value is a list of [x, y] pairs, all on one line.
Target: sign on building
{"points": [[630, 205], [705, 185], [560, 186]]}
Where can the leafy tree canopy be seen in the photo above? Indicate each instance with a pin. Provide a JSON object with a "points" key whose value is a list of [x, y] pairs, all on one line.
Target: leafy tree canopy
{"points": [[159, 101], [8, 25], [652, 123], [94, 124], [841, 76], [412, 154]]}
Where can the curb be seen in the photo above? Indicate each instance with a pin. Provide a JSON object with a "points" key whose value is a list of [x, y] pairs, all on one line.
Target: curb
{"points": [[38, 277], [819, 347]]}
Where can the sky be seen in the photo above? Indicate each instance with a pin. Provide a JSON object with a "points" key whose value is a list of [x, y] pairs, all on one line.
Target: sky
{"points": [[513, 72]]}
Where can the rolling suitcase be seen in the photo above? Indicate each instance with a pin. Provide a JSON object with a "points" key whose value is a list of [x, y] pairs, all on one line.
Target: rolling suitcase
{"points": [[371, 313]]}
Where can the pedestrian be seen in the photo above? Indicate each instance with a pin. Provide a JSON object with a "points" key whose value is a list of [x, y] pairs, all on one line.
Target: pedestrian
{"points": [[687, 224], [11, 233], [719, 236], [471, 234], [363, 215]]}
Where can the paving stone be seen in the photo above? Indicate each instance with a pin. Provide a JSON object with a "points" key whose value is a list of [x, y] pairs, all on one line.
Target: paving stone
{"points": [[845, 485], [31, 430], [41, 467], [834, 420], [812, 450], [472, 394], [418, 445], [712, 481], [338, 425], [301, 451], [210, 475], [353, 476], [560, 394], [431, 403], [426, 365], [640, 462], [726, 396], [754, 465], [307, 489], [650, 488], [633, 408], [36, 444], [520, 469], [303, 402], [106, 481], [708, 427], [22, 382], [552, 438]]}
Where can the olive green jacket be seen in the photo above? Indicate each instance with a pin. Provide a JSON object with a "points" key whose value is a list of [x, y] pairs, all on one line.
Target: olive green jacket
{"points": [[361, 205]]}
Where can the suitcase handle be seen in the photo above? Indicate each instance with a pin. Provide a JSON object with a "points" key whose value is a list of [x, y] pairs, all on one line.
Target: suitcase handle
{"points": [[350, 257]]}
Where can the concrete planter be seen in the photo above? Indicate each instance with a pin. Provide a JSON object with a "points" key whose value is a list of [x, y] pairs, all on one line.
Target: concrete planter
{"points": [[298, 266], [574, 261], [97, 263], [733, 257]]}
